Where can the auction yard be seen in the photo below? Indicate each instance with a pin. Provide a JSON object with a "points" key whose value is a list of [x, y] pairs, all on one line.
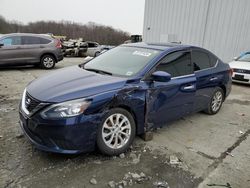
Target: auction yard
{"points": [[209, 150]]}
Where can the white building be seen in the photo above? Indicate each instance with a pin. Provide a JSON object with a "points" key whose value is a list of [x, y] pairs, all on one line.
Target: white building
{"points": [[221, 26]]}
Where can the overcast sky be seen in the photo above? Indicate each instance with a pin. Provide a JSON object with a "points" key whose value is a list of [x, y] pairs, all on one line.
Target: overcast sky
{"points": [[121, 14]]}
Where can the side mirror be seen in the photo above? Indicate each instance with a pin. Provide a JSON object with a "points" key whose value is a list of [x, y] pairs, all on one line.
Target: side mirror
{"points": [[1, 45], [235, 58], [161, 76]]}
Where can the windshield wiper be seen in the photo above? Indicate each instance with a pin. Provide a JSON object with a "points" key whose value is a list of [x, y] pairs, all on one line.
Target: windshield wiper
{"points": [[98, 71]]}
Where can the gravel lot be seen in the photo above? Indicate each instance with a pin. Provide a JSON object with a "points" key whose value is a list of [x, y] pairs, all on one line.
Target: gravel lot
{"points": [[211, 150]]}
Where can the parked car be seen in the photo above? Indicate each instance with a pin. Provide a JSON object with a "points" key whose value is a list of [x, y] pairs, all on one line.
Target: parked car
{"points": [[94, 49], [129, 90], [77, 48], [103, 50], [30, 49], [106, 48], [241, 68], [134, 39]]}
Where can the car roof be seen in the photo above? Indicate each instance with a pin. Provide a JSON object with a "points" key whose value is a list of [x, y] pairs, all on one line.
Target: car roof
{"points": [[26, 34], [157, 46]]}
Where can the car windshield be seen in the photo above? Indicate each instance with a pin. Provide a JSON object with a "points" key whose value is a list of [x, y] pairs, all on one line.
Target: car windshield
{"points": [[122, 61], [245, 57]]}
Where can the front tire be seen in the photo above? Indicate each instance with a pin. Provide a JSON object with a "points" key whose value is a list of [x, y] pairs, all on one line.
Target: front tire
{"points": [[216, 101], [116, 132], [48, 62]]}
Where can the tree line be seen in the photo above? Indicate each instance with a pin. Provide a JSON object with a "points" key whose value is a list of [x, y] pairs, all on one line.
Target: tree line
{"points": [[89, 32]]}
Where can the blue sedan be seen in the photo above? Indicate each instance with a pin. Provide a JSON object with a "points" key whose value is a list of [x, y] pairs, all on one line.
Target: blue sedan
{"points": [[127, 91]]}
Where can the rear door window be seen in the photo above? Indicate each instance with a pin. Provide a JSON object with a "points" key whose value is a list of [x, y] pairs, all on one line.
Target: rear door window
{"points": [[11, 41], [27, 40], [176, 64], [92, 45], [31, 40], [200, 60]]}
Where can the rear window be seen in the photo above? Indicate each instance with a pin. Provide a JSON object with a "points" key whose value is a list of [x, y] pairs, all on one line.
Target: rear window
{"points": [[44, 41], [92, 45]]}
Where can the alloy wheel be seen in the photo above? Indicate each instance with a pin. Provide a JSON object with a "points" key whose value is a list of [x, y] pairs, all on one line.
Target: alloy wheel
{"points": [[48, 62], [116, 131], [217, 101]]}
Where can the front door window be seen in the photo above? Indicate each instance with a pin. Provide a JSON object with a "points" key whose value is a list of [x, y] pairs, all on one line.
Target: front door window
{"points": [[11, 41]]}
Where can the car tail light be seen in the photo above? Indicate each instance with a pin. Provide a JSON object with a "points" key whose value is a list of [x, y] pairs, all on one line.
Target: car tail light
{"points": [[58, 44], [231, 72]]}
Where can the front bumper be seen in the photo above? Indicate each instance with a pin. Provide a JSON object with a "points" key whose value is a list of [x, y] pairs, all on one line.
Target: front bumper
{"points": [[69, 136], [241, 78]]}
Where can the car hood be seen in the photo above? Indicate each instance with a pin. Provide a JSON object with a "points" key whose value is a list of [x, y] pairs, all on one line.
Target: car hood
{"points": [[72, 83], [240, 65]]}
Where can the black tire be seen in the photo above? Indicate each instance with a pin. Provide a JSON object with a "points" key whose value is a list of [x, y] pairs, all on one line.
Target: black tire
{"points": [[81, 54], [102, 146], [210, 110], [97, 54], [48, 62]]}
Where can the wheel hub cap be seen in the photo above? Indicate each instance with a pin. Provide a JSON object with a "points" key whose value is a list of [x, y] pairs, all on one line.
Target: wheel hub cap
{"points": [[217, 100], [48, 62], [116, 131]]}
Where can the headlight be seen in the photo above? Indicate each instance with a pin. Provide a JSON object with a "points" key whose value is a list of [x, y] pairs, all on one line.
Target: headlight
{"points": [[66, 109]]}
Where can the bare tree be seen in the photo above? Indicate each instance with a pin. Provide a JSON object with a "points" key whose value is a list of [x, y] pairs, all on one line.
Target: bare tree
{"points": [[89, 32]]}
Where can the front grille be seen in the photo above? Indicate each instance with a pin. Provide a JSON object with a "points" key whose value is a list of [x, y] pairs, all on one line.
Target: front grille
{"points": [[240, 77], [30, 103], [243, 71], [30, 133]]}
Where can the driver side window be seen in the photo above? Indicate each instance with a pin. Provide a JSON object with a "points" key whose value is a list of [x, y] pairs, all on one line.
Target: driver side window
{"points": [[10, 41], [176, 64]]}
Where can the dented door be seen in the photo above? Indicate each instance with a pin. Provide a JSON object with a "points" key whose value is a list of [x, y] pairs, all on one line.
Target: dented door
{"points": [[169, 101]]}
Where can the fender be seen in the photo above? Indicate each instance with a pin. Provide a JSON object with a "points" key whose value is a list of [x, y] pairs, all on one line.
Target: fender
{"points": [[131, 98]]}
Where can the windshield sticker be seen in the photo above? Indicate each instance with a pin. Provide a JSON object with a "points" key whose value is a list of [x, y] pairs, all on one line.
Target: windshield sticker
{"points": [[129, 73], [145, 54]]}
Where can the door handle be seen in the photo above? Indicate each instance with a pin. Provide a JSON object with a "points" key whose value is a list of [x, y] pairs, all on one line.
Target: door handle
{"points": [[188, 87], [213, 78]]}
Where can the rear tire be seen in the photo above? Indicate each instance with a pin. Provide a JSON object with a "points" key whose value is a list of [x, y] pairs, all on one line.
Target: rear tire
{"points": [[48, 62], [116, 132], [97, 54], [216, 101]]}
